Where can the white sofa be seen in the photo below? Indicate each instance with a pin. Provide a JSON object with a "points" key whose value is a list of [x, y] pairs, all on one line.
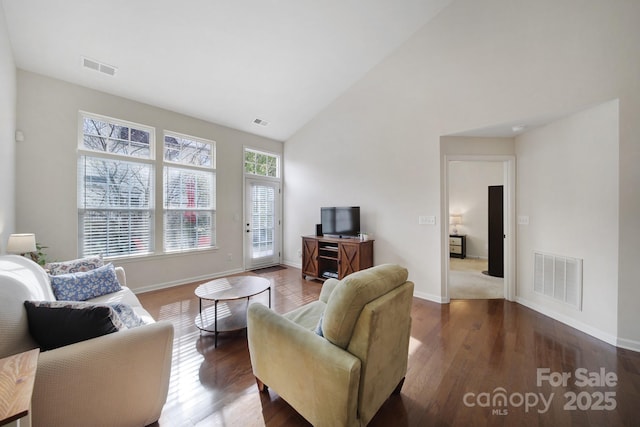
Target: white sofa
{"points": [[119, 379]]}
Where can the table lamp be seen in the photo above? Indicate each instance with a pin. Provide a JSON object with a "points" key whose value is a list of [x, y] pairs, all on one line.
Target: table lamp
{"points": [[22, 244], [455, 220]]}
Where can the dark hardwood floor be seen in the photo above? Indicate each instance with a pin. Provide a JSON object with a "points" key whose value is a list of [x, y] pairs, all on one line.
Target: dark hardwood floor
{"points": [[465, 359]]}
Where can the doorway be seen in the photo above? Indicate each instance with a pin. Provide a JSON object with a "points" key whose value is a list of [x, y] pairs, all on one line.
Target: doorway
{"points": [[262, 223], [457, 269]]}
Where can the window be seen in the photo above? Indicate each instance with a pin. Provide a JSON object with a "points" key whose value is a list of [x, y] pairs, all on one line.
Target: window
{"points": [[108, 136], [116, 176], [115, 187], [189, 193], [262, 164]]}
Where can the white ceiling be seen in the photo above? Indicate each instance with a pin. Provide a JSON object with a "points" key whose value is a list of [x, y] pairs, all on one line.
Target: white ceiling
{"points": [[224, 61]]}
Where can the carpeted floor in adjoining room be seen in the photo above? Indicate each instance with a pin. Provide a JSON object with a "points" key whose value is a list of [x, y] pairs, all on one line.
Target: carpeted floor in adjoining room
{"points": [[466, 280]]}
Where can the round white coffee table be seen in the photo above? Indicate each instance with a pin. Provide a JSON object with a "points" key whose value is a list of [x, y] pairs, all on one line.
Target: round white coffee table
{"points": [[216, 320]]}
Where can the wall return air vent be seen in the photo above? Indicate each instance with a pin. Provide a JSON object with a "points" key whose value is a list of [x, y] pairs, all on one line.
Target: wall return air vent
{"points": [[559, 278], [100, 67]]}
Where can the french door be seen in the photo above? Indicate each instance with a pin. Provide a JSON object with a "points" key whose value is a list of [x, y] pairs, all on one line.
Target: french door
{"points": [[262, 232]]}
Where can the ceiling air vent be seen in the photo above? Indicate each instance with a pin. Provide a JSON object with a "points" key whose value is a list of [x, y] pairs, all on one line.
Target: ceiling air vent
{"points": [[260, 122], [99, 66]]}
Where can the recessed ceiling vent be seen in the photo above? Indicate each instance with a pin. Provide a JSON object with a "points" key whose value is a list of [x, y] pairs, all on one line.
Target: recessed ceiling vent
{"points": [[100, 67], [260, 122]]}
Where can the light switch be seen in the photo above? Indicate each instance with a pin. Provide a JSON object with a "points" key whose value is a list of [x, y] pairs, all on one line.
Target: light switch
{"points": [[523, 220], [426, 220]]}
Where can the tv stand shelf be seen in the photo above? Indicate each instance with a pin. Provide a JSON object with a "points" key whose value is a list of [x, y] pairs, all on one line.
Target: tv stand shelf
{"points": [[329, 257]]}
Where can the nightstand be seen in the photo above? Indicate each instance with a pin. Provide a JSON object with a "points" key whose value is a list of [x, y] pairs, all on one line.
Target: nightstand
{"points": [[457, 246]]}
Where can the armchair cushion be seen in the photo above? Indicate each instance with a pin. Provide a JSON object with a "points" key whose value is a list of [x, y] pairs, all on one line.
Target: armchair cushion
{"points": [[350, 295], [308, 315], [85, 285], [54, 324], [318, 329]]}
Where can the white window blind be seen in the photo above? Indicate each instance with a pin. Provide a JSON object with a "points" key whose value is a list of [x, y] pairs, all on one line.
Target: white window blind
{"points": [[263, 220], [115, 187], [116, 176], [189, 193]]}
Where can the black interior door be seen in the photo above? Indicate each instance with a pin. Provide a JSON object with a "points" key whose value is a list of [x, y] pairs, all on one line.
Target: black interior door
{"points": [[496, 231]]}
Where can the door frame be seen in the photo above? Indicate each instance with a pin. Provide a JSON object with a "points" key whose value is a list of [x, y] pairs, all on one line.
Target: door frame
{"points": [[278, 219], [509, 182], [246, 177]]}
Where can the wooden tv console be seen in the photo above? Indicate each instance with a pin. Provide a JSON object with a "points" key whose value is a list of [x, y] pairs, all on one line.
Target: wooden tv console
{"points": [[329, 257]]}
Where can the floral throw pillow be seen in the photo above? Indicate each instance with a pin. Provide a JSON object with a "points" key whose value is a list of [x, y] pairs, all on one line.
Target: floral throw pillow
{"points": [[127, 315], [74, 266], [85, 285]]}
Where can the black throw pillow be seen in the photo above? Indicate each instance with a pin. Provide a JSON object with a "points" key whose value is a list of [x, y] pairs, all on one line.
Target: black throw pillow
{"points": [[54, 324]]}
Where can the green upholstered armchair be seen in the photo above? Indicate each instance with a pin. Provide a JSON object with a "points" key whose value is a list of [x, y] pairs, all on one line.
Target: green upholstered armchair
{"points": [[343, 377]]}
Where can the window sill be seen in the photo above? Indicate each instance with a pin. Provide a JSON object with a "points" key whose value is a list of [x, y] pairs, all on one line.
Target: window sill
{"points": [[123, 260]]}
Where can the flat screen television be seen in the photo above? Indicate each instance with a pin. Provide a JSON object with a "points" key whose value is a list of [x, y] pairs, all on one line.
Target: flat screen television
{"points": [[340, 221]]}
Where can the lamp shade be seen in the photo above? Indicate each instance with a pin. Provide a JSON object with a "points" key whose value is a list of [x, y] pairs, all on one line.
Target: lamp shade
{"points": [[455, 219], [21, 243]]}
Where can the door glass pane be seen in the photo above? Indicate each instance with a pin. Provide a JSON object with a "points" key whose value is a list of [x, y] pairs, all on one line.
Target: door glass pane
{"points": [[262, 221]]}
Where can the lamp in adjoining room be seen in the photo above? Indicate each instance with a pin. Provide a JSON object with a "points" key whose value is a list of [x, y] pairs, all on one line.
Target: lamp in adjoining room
{"points": [[455, 220], [24, 243]]}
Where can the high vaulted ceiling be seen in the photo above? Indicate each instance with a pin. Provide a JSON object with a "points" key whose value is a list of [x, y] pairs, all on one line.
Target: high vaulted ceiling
{"points": [[224, 61]]}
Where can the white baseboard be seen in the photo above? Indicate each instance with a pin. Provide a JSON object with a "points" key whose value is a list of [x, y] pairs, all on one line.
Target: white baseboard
{"points": [[629, 344], [582, 327], [291, 263], [184, 281], [431, 297]]}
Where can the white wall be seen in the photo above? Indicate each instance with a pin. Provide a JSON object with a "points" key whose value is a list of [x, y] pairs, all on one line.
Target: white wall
{"points": [[568, 187], [7, 132], [475, 65], [468, 196], [46, 176]]}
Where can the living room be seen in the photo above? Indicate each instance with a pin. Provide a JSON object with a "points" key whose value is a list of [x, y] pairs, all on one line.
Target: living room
{"points": [[454, 89]]}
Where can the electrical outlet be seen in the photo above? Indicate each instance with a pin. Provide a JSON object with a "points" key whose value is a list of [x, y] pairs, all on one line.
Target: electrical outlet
{"points": [[229, 256], [299, 253]]}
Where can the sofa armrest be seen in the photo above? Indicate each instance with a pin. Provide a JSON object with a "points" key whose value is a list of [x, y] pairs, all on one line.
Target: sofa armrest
{"points": [[121, 275], [119, 379], [317, 378]]}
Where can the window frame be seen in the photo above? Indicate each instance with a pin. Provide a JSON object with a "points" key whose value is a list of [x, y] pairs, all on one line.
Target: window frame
{"points": [[117, 121], [176, 165], [84, 153], [277, 156]]}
